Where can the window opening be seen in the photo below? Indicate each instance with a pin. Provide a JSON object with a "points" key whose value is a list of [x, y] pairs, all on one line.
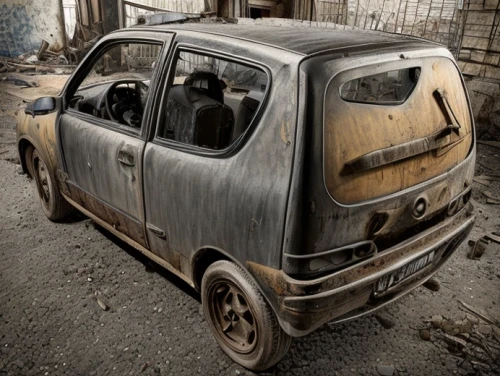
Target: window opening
{"points": [[212, 101], [392, 87], [117, 86]]}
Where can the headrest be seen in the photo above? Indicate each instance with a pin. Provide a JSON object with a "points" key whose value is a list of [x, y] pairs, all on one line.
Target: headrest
{"points": [[207, 82]]}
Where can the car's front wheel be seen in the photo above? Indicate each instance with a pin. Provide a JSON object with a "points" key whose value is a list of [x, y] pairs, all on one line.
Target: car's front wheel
{"points": [[241, 320], [54, 206]]}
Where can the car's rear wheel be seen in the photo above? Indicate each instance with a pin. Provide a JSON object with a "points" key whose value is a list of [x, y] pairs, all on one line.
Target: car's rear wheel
{"points": [[54, 205], [240, 319]]}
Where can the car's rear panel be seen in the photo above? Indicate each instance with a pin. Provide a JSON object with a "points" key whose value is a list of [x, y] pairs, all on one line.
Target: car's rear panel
{"points": [[374, 159], [377, 142], [385, 186]]}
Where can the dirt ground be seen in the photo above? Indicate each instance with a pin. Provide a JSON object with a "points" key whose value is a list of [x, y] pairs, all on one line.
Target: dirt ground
{"points": [[52, 324]]}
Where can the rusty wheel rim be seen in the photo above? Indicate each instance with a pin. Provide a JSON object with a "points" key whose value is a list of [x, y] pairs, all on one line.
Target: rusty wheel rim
{"points": [[43, 182], [232, 316]]}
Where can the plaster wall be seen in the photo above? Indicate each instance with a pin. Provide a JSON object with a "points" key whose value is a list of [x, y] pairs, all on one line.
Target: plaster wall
{"points": [[24, 23]]}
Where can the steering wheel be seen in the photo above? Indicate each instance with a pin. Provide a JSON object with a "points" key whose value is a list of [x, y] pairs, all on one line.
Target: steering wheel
{"points": [[125, 109]]}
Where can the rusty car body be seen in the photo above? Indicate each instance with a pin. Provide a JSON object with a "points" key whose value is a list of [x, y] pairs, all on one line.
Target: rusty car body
{"points": [[348, 187]]}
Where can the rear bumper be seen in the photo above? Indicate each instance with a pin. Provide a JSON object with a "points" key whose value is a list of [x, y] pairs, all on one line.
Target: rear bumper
{"points": [[303, 306]]}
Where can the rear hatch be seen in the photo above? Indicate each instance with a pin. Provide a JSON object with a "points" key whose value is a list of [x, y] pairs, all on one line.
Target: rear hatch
{"points": [[391, 125]]}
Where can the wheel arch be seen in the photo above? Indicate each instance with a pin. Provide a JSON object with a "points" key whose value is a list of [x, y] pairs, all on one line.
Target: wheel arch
{"points": [[23, 145], [202, 259]]}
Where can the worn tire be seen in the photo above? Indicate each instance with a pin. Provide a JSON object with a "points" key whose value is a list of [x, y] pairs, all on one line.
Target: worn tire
{"points": [[240, 319], [28, 160], [54, 206]]}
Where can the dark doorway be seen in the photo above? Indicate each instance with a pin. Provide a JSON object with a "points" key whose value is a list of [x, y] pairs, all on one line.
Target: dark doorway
{"points": [[259, 13], [223, 8]]}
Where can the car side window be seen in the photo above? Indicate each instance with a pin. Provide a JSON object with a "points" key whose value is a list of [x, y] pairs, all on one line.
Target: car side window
{"points": [[211, 101], [117, 86]]}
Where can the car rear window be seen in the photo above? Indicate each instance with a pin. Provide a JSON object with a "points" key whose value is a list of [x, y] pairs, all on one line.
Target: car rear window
{"points": [[392, 87]]}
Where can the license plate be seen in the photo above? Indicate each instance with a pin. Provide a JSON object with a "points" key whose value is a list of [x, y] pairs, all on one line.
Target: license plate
{"points": [[400, 274]]}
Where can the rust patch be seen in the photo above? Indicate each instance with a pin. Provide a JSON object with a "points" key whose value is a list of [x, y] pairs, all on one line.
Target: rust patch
{"points": [[41, 132], [302, 310], [119, 221], [285, 286], [358, 129], [285, 132]]}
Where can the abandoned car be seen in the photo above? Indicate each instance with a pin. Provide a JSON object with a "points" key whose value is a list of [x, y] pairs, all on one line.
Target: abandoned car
{"points": [[293, 176]]}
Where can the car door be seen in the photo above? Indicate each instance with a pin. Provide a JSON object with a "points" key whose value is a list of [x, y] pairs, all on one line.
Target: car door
{"points": [[102, 131], [204, 181]]}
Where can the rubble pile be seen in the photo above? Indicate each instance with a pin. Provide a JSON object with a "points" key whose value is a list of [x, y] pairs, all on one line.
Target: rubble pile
{"points": [[42, 61], [473, 340]]}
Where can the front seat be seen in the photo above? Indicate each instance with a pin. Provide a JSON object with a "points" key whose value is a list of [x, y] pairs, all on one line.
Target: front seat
{"points": [[196, 116], [207, 82]]}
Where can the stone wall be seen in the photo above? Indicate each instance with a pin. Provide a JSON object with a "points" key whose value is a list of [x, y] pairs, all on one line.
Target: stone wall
{"points": [[24, 23]]}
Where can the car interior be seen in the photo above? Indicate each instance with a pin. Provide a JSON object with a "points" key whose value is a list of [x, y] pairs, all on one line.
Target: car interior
{"points": [[212, 109], [117, 86]]}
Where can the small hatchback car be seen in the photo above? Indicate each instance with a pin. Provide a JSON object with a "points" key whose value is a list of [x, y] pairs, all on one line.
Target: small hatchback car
{"points": [[293, 176]]}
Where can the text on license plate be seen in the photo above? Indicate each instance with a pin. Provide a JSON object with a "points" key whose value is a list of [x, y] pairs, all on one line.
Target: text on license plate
{"points": [[398, 275]]}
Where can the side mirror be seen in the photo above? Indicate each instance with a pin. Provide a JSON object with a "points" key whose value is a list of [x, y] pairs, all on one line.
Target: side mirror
{"points": [[41, 106]]}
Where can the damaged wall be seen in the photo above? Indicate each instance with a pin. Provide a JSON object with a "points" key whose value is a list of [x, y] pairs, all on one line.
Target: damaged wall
{"points": [[24, 23], [485, 101], [431, 19], [480, 53]]}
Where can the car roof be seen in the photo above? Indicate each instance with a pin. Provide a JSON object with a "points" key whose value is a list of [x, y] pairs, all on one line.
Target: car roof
{"points": [[300, 40]]}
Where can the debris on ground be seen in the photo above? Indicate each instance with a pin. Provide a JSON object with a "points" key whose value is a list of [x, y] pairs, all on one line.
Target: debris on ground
{"points": [[493, 237], [20, 82], [43, 48], [432, 284], [5, 67], [43, 61], [477, 312], [482, 180], [425, 334], [101, 301], [144, 367], [385, 370], [39, 68], [495, 144], [491, 199], [384, 320], [32, 59], [477, 248], [486, 179], [475, 338]]}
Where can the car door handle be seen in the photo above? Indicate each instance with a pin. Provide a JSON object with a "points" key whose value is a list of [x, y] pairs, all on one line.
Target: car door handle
{"points": [[155, 230], [126, 158]]}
